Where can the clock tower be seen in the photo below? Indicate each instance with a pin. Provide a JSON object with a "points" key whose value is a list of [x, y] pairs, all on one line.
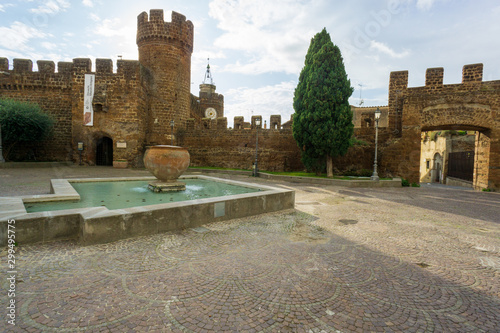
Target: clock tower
{"points": [[211, 103]]}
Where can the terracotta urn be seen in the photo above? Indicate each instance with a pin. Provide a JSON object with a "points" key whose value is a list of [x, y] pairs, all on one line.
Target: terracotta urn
{"points": [[166, 163]]}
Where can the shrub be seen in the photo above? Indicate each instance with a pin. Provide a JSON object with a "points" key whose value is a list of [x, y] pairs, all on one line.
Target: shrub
{"points": [[405, 183], [22, 122], [415, 185], [365, 173]]}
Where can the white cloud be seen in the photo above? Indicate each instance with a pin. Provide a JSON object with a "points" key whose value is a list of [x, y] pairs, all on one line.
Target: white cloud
{"points": [[4, 6], [111, 27], [425, 4], [52, 7], [48, 45], [94, 17], [88, 3], [17, 36], [382, 48], [264, 101], [273, 34]]}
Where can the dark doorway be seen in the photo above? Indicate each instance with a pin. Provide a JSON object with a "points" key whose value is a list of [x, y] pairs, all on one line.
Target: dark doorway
{"points": [[104, 151], [461, 165]]}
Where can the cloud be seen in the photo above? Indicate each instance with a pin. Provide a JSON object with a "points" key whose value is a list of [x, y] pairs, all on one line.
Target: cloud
{"points": [[94, 17], [52, 7], [88, 3], [4, 6], [272, 34], [425, 4], [382, 48], [111, 27], [48, 45], [264, 101], [18, 35]]}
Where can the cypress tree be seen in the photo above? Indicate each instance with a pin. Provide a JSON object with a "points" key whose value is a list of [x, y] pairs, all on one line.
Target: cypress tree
{"points": [[322, 124]]}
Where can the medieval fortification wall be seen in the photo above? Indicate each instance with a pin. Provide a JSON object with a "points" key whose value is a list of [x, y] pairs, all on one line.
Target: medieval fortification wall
{"points": [[134, 107]]}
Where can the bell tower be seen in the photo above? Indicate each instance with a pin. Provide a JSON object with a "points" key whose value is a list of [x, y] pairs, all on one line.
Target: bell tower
{"points": [[165, 50], [211, 103]]}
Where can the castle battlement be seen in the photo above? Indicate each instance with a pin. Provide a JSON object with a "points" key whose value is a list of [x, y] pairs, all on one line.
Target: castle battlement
{"points": [[155, 29], [24, 68], [472, 73]]}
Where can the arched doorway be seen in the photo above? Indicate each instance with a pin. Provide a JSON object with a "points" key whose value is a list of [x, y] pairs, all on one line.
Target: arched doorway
{"points": [[437, 169], [104, 151]]}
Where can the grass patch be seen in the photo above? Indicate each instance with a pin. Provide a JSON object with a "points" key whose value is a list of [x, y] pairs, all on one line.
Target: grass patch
{"points": [[292, 174], [313, 175], [216, 168]]}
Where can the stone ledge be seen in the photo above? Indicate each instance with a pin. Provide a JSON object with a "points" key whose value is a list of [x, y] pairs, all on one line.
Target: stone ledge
{"points": [[96, 225]]}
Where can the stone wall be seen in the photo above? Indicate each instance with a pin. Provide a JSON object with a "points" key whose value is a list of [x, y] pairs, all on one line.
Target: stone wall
{"points": [[52, 91], [119, 109], [235, 148], [165, 50], [471, 105]]}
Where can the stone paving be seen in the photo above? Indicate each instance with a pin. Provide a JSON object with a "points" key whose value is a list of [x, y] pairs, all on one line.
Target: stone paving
{"points": [[364, 260]]}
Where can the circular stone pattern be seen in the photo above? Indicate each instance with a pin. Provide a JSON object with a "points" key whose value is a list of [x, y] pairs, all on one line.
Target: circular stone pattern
{"points": [[166, 163]]}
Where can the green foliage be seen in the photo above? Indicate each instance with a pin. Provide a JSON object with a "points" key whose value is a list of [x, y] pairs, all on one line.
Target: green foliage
{"points": [[415, 185], [358, 173], [486, 189], [405, 183], [322, 124], [358, 142], [23, 122]]}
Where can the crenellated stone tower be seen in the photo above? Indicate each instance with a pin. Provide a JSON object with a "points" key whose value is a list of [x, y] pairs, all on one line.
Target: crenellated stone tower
{"points": [[165, 50]]}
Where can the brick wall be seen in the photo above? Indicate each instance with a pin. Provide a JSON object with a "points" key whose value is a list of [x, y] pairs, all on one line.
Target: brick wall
{"points": [[52, 91], [229, 148], [165, 50]]}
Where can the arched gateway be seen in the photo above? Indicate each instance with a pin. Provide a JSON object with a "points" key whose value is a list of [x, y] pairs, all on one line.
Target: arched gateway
{"points": [[473, 105]]}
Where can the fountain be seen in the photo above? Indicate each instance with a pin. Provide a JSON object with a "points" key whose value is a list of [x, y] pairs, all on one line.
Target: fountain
{"points": [[102, 210], [167, 164]]}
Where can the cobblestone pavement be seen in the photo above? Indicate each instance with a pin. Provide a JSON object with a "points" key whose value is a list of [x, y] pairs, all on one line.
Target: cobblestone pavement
{"points": [[346, 260]]}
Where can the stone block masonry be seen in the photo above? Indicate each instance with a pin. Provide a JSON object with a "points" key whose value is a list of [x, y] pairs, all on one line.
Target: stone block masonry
{"points": [[133, 108], [472, 105], [52, 91], [235, 148]]}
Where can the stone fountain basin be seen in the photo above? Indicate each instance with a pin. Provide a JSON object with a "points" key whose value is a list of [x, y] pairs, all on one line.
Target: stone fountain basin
{"points": [[94, 225]]}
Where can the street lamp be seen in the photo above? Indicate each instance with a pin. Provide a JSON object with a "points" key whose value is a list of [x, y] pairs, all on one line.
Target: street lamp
{"points": [[375, 174], [172, 132], [255, 168]]}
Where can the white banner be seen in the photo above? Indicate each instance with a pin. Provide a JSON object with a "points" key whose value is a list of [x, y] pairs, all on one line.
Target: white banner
{"points": [[88, 112]]}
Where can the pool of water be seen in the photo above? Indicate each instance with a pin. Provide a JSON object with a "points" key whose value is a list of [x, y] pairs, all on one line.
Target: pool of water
{"points": [[126, 194]]}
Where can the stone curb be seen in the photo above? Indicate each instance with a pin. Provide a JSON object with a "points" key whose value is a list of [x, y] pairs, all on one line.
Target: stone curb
{"points": [[396, 182]]}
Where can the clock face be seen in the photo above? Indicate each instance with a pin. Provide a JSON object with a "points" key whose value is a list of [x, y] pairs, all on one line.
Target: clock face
{"points": [[210, 113]]}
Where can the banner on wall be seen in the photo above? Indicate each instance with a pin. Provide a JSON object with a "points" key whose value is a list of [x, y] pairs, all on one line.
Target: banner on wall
{"points": [[88, 112]]}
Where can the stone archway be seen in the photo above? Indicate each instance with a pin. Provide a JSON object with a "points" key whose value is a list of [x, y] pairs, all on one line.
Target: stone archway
{"points": [[473, 105], [437, 169]]}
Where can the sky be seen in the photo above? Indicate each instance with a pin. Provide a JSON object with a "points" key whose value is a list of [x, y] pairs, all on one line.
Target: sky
{"points": [[257, 47]]}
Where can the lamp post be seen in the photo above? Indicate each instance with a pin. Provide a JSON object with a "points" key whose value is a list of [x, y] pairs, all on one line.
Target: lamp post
{"points": [[172, 132], [255, 168], [375, 174]]}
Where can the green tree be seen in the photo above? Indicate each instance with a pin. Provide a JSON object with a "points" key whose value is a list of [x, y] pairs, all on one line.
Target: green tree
{"points": [[322, 123], [22, 122]]}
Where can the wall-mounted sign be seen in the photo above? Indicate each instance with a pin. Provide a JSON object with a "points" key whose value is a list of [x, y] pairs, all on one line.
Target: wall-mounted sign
{"points": [[88, 96], [121, 145]]}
